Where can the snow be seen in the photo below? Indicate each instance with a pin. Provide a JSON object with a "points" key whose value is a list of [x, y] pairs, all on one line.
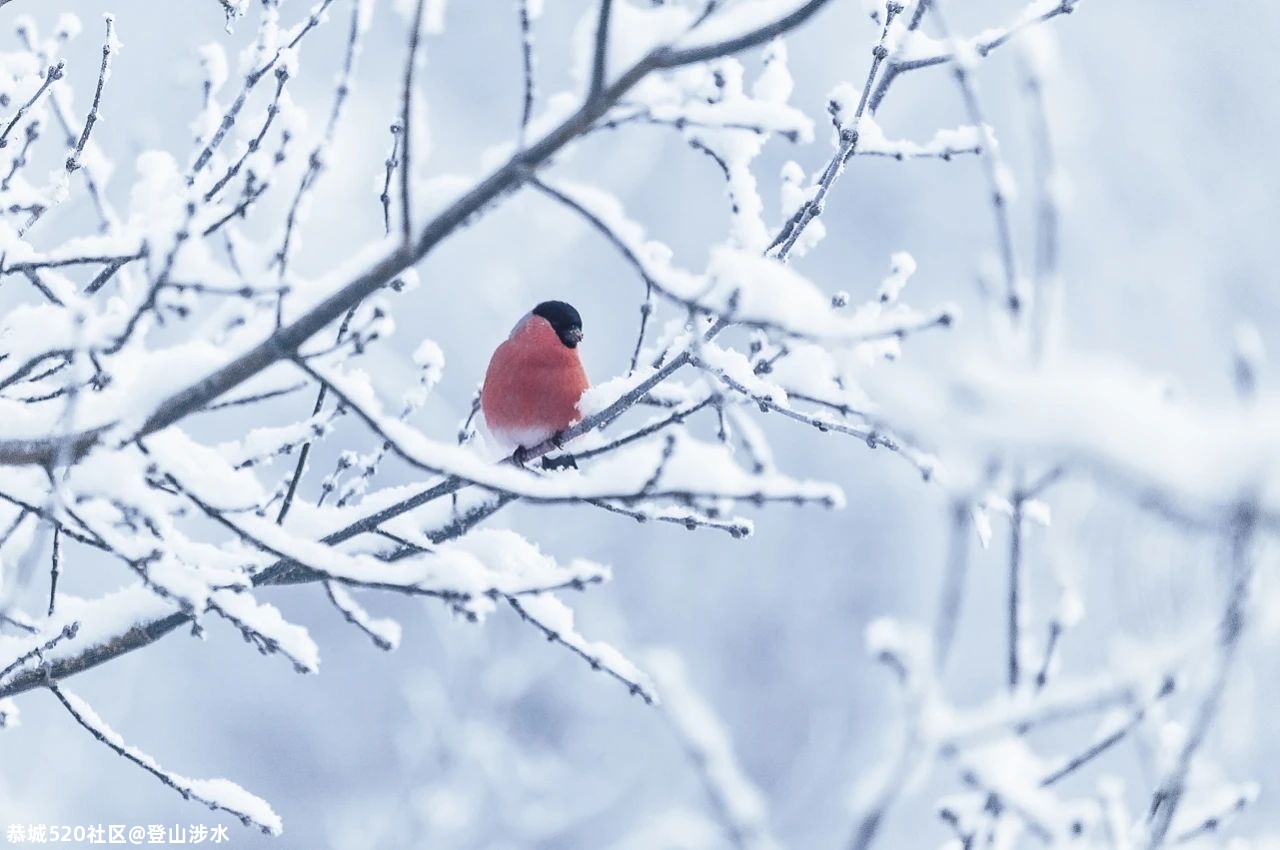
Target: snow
{"points": [[433, 13], [430, 358], [1038, 48], [385, 632], [473, 567], [1006, 183], [433, 16], [1250, 350], [679, 829], [556, 619], [842, 101], [68, 26], [1215, 806], [1071, 604], [265, 620], [364, 15], [100, 621], [762, 290], [738, 19], [9, 716], [901, 267], [213, 58], [774, 84], [734, 364], [654, 258], [1010, 769], [262, 444], [883, 637], [945, 142], [1093, 413], [915, 47], [157, 200], [634, 30], [1037, 512], [709, 746], [214, 793]]}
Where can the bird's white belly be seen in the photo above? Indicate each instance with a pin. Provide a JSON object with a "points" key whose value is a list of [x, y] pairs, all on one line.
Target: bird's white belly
{"points": [[509, 439]]}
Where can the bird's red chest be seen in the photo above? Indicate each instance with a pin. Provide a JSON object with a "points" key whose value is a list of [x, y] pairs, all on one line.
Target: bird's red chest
{"points": [[532, 386]]}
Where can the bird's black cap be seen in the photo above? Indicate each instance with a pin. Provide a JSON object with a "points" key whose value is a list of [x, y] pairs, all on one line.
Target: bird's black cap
{"points": [[564, 320]]}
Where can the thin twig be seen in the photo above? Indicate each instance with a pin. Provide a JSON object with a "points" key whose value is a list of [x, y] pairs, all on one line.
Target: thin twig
{"points": [[1168, 794], [94, 725], [530, 83], [1105, 742], [635, 687], [953, 584], [996, 170], [251, 80], [600, 56], [305, 452], [68, 632], [52, 74], [108, 45], [786, 239], [254, 399], [406, 119], [20, 161], [53, 569], [392, 161], [1014, 625], [316, 161], [273, 109], [1046, 280]]}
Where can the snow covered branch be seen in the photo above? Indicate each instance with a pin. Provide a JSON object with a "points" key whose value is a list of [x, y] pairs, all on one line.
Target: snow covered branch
{"points": [[218, 794]]}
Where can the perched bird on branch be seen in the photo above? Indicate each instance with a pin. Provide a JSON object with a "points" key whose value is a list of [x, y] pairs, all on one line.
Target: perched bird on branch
{"points": [[535, 379]]}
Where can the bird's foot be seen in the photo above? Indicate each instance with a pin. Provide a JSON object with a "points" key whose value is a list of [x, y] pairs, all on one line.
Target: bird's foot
{"points": [[520, 456], [564, 461]]}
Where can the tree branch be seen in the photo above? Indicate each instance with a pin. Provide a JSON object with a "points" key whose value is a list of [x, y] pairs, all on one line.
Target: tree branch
{"points": [[282, 344]]}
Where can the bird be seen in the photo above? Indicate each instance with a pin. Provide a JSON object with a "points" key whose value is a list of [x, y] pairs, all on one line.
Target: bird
{"points": [[535, 379]]}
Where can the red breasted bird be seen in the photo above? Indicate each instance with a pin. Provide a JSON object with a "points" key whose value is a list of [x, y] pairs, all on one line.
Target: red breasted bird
{"points": [[535, 378]]}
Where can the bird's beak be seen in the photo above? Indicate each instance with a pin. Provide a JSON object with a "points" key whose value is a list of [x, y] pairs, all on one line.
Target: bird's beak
{"points": [[574, 336]]}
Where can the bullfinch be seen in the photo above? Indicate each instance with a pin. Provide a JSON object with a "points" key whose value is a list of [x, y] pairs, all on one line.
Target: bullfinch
{"points": [[535, 379]]}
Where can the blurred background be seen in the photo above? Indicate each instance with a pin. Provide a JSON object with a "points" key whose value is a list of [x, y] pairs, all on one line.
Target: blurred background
{"points": [[486, 736]]}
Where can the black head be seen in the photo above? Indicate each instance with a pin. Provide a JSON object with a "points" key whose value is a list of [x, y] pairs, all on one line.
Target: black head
{"points": [[564, 320]]}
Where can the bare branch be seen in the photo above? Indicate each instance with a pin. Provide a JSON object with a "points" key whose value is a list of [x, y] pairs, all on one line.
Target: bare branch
{"points": [[406, 126]]}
